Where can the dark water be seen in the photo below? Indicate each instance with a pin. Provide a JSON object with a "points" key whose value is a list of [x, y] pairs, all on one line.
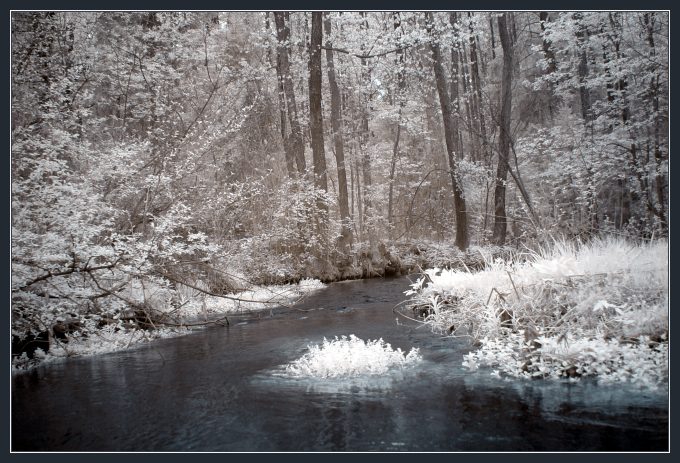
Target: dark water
{"points": [[215, 391]]}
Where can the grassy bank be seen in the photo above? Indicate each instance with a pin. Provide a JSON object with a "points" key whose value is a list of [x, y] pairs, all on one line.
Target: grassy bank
{"points": [[166, 314], [565, 311]]}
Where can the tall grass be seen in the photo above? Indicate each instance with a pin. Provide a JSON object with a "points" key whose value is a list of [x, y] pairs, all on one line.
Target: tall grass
{"points": [[608, 289]]}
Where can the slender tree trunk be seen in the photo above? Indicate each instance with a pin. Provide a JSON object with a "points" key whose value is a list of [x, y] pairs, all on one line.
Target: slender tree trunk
{"points": [[401, 84], [621, 84], [287, 149], [500, 218], [583, 70], [455, 98], [549, 56], [315, 116], [351, 188], [471, 108], [462, 238], [548, 52], [513, 28], [472, 138], [477, 86], [393, 167], [648, 19], [296, 143], [493, 38], [337, 127], [364, 134], [359, 201]]}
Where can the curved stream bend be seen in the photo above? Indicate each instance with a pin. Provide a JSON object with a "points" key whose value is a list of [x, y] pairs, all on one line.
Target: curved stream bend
{"points": [[216, 391]]}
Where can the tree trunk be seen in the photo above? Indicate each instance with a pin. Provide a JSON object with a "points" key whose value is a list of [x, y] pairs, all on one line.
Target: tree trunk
{"points": [[315, 116], [455, 100], [477, 87], [288, 152], [296, 144], [500, 218], [493, 38], [393, 166], [401, 84], [584, 92], [364, 134], [359, 201], [337, 127], [549, 56], [472, 138], [462, 238], [648, 19], [548, 52]]}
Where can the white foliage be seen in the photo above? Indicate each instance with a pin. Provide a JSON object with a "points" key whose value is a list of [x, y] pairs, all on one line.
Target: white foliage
{"points": [[642, 364], [255, 298], [592, 306], [349, 357]]}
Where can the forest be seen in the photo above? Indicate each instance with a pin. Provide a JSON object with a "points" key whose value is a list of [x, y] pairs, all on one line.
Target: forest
{"points": [[164, 163]]}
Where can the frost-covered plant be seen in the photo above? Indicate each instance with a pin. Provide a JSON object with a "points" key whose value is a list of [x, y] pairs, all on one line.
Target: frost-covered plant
{"points": [[351, 356], [643, 363], [105, 340], [606, 289]]}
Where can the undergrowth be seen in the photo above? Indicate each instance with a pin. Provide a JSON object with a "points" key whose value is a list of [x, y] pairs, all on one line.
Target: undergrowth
{"points": [[567, 310]]}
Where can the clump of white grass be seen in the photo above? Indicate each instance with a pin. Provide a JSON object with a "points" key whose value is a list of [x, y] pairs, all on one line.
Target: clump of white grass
{"points": [[606, 291], [349, 357]]}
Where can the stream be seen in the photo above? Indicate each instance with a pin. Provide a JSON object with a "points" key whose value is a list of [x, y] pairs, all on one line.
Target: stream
{"points": [[215, 390]]}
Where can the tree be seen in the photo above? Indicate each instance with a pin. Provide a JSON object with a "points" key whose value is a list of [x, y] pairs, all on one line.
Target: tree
{"points": [[295, 145], [500, 218], [399, 96], [462, 238], [315, 114], [337, 127]]}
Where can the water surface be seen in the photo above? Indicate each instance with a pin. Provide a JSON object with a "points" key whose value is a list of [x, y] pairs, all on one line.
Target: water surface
{"points": [[215, 390]]}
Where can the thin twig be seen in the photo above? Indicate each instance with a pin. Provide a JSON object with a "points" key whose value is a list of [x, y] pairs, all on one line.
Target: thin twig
{"points": [[513, 284]]}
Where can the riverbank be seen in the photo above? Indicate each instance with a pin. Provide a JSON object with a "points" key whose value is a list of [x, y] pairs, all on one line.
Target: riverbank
{"points": [[569, 311], [382, 259], [229, 288], [194, 309]]}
